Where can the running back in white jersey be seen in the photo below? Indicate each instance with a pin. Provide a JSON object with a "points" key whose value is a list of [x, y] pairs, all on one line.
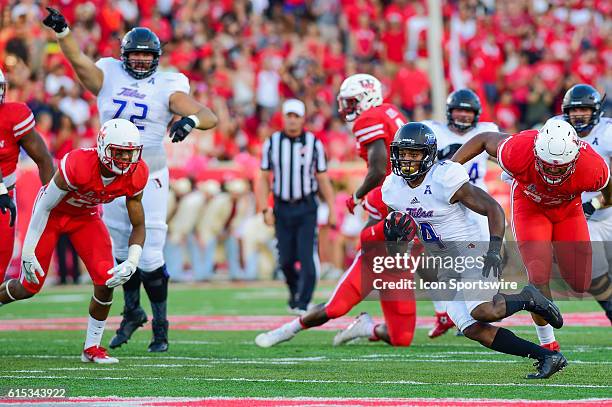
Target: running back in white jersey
{"points": [[600, 138], [144, 102], [440, 222], [477, 166]]}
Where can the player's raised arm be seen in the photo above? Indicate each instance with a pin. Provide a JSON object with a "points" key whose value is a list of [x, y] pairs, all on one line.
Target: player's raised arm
{"points": [[487, 141], [89, 74], [36, 148], [482, 203], [194, 115]]}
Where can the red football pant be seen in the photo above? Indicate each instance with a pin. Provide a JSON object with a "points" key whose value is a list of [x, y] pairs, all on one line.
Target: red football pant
{"points": [[400, 316], [7, 239], [89, 237], [535, 227]]}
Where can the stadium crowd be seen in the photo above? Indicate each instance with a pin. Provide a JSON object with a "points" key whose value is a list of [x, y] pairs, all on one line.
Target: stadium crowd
{"points": [[243, 58]]}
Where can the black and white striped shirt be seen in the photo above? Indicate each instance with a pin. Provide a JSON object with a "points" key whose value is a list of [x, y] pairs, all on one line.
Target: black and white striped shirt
{"points": [[294, 162]]}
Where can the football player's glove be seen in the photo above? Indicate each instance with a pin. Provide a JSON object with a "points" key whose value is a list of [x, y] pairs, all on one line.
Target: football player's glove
{"points": [[493, 259], [588, 209], [31, 267], [181, 129], [399, 226], [121, 273], [352, 202], [6, 203], [55, 20]]}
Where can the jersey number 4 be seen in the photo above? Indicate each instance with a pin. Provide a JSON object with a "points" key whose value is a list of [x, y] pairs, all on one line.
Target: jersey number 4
{"points": [[143, 113], [429, 235]]}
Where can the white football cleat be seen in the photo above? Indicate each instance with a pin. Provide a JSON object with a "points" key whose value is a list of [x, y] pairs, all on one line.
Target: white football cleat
{"points": [[274, 337], [361, 327], [97, 354]]}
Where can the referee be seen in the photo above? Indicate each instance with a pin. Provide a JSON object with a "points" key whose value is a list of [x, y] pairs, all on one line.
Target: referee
{"points": [[297, 162]]}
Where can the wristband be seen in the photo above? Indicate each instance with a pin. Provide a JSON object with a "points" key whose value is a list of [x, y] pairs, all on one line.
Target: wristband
{"points": [[3, 189], [195, 120], [64, 33], [134, 253], [596, 203]]}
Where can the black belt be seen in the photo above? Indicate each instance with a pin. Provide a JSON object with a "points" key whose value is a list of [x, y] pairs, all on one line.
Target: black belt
{"points": [[294, 201]]}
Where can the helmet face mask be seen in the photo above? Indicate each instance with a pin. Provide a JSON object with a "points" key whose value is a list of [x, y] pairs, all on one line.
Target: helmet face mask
{"points": [[466, 100], [409, 161], [120, 159], [582, 96], [556, 151], [140, 40], [358, 93], [413, 151], [119, 146]]}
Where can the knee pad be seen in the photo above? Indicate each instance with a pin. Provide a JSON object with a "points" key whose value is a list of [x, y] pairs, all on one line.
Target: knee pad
{"points": [[155, 283], [601, 287]]}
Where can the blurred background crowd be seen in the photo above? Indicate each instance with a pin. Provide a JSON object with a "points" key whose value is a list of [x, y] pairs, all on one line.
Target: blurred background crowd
{"points": [[244, 58]]}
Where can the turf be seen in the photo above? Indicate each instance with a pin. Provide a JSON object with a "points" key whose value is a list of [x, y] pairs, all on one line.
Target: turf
{"points": [[227, 363]]}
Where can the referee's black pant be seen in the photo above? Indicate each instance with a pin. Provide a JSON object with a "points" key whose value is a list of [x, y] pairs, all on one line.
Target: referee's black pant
{"points": [[296, 232]]}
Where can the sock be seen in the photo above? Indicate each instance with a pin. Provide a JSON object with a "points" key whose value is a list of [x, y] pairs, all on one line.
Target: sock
{"points": [[439, 307], [546, 333], [296, 325], [95, 329], [374, 337], [514, 303], [506, 341], [156, 285]]}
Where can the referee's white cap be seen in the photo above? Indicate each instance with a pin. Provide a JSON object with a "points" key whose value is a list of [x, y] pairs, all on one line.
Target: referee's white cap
{"points": [[294, 106]]}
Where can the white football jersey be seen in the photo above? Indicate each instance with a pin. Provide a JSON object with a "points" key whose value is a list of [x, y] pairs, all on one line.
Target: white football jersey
{"points": [[477, 166], [440, 222], [144, 102], [600, 138]]}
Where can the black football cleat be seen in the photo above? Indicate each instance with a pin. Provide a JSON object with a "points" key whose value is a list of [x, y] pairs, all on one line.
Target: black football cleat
{"points": [[539, 304], [548, 366], [132, 320], [160, 337]]}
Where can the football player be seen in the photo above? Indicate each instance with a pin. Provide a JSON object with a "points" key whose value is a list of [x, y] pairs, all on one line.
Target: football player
{"points": [[463, 111], [439, 195], [132, 88], [374, 123], [550, 169], [582, 108], [16, 131], [69, 204], [352, 288]]}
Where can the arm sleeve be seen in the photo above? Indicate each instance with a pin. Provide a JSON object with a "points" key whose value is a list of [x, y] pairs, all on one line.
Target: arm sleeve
{"points": [[23, 120], [48, 199], [451, 176], [319, 156], [266, 163]]}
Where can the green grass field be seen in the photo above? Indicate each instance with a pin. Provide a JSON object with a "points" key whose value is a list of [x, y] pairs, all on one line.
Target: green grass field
{"points": [[204, 363]]}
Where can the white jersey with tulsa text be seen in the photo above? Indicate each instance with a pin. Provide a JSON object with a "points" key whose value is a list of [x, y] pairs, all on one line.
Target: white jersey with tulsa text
{"points": [[144, 102]]}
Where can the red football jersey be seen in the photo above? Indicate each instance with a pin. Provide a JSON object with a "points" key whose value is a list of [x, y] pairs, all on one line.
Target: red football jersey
{"points": [[17, 121], [374, 205], [81, 170], [380, 122], [516, 157]]}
